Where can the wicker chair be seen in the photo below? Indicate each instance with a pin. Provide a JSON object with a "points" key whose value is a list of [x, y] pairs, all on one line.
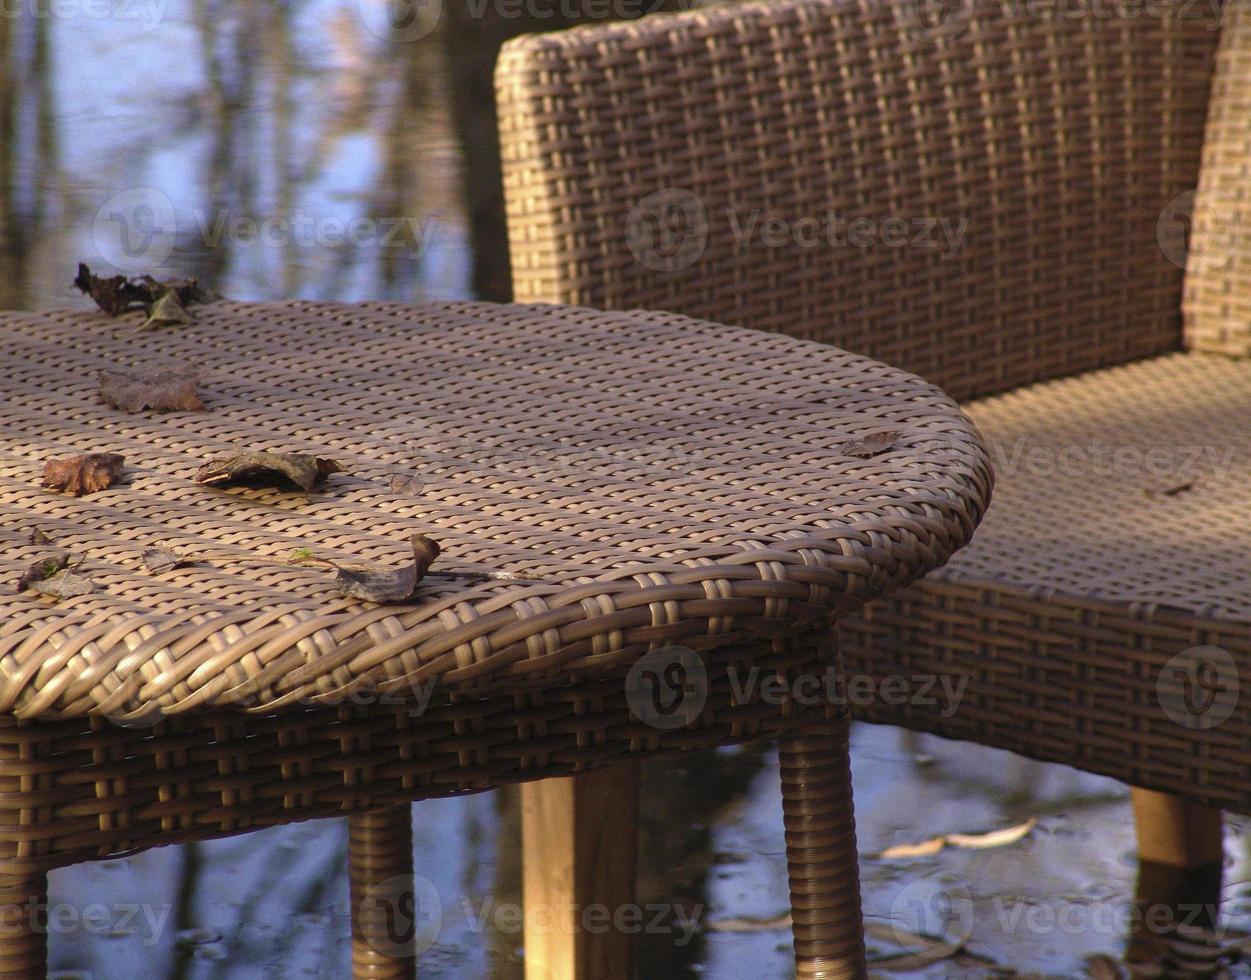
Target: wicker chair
{"points": [[1032, 241]]}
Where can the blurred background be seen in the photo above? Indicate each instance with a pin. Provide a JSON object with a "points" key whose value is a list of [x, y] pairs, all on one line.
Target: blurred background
{"points": [[345, 149]]}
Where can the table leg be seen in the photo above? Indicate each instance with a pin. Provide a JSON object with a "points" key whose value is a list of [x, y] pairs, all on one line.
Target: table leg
{"points": [[579, 849], [380, 872], [821, 852], [23, 925]]}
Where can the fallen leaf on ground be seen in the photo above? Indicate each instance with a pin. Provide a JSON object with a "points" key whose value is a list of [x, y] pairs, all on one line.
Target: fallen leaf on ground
{"points": [[171, 389], [1174, 489], [389, 585], [158, 559], [267, 469], [874, 444], [81, 475], [44, 568], [37, 536], [117, 294], [64, 585], [995, 838], [167, 311]]}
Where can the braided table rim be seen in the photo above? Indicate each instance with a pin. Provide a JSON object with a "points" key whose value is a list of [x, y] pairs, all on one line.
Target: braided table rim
{"points": [[648, 478]]}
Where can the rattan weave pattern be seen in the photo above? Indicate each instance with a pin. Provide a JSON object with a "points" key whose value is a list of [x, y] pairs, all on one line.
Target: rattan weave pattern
{"points": [[664, 480], [724, 145], [1218, 275]]}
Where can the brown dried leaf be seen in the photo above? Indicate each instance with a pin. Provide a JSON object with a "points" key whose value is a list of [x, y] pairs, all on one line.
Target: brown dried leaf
{"points": [[117, 294], [167, 311], [37, 536], [64, 585], [389, 585], [44, 568], [406, 484], [158, 559], [267, 469], [874, 444], [81, 475], [170, 390]]}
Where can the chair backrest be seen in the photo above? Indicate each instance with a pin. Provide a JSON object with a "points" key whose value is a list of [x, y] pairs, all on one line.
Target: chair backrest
{"points": [[976, 197], [1217, 303]]}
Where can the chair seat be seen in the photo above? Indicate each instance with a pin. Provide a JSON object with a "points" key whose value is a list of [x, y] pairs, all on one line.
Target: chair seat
{"points": [[1116, 554]]}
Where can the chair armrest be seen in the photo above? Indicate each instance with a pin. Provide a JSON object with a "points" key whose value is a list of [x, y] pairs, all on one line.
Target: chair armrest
{"points": [[974, 198]]}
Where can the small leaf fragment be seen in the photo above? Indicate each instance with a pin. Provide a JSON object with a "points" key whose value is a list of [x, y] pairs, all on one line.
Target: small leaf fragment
{"points": [[389, 585], [158, 559], [874, 444], [44, 568], [37, 536], [81, 475], [167, 311], [172, 389], [64, 585], [267, 469]]}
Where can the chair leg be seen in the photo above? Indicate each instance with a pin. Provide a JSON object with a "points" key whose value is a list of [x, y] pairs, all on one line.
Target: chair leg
{"points": [[1175, 832], [380, 872], [23, 925], [579, 849], [821, 852]]}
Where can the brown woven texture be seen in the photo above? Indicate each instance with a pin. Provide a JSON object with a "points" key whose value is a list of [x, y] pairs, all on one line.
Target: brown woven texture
{"points": [[1218, 274], [653, 479], [717, 162], [1116, 552]]}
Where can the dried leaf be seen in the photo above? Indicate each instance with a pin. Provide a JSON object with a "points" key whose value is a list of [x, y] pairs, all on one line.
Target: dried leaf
{"points": [[874, 444], [158, 559], [38, 537], [995, 838], [64, 585], [44, 568], [1174, 489], [167, 311], [81, 475], [117, 294], [389, 585], [170, 390], [267, 469]]}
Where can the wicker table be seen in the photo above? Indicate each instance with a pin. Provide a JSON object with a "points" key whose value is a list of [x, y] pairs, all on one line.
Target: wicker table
{"points": [[606, 488]]}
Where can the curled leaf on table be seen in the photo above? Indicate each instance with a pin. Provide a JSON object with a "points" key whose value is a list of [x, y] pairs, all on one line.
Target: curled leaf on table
{"points": [[81, 475], [159, 559], [64, 585], [44, 568], [172, 389], [874, 444], [266, 469], [117, 294], [37, 536], [387, 584], [167, 311]]}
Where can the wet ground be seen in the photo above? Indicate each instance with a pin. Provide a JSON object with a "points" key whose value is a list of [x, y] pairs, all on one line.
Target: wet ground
{"points": [[295, 149]]}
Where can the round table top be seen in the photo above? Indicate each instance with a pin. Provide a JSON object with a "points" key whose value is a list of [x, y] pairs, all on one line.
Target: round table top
{"points": [[601, 485]]}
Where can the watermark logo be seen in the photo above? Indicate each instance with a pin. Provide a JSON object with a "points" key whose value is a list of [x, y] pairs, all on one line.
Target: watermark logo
{"points": [[934, 912], [667, 230], [401, 916], [400, 21], [147, 13], [135, 229], [1198, 688], [929, 19], [1196, 246], [667, 688]]}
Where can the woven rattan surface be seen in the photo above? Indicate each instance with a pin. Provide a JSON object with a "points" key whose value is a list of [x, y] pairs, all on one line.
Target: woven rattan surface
{"points": [[1112, 571], [655, 479], [1218, 275], [974, 191]]}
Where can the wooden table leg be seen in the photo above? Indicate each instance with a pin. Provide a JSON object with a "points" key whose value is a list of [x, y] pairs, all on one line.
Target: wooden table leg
{"points": [[380, 871], [821, 852], [579, 851], [23, 925]]}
